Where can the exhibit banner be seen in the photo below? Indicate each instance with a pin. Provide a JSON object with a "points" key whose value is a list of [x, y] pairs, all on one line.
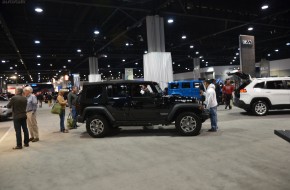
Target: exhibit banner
{"points": [[129, 75]]}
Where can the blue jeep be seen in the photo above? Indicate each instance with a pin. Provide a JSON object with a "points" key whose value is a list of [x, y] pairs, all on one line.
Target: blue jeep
{"points": [[189, 88]]}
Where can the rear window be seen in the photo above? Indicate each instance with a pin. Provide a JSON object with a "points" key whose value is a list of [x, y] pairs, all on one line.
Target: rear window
{"points": [[260, 85], [185, 85], [93, 92], [174, 85], [275, 84]]}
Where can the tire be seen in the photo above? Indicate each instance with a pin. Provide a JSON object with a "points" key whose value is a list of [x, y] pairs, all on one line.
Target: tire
{"points": [[97, 126], [188, 124], [260, 108]]}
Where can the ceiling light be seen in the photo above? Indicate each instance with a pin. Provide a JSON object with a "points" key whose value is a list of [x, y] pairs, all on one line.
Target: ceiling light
{"points": [[265, 7], [197, 53], [96, 32], [38, 56], [287, 44], [237, 53], [231, 62], [127, 44], [145, 52], [276, 50], [202, 60], [170, 20], [178, 65], [3, 61], [269, 54], [136, 63], [69, 60], [38, 64], [39, 10], [39, 73], [109, 66], [110, 71], [183, 36], [105, 56], [206, 62], [79, 50], [37, 42], [206, 65], [123, 60], [200, 57], [235, 57], [64, 66], [250, 28], [191, 46], [51, 65]]}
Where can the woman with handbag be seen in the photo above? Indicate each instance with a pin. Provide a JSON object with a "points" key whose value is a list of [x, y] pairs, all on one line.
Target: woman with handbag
{"points": [[62, 102]]}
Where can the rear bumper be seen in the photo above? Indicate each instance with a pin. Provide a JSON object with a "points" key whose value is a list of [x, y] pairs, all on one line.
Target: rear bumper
{"points": [[80, 119], [241, 104]]}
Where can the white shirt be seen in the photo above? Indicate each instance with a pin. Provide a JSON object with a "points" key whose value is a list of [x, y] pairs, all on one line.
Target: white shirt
{"points": [[210, 97]]}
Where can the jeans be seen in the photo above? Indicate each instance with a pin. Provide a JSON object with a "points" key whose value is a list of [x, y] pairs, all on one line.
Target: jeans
{"points": [[74, 116], [18, 124], [213, 117], [61, 117]]}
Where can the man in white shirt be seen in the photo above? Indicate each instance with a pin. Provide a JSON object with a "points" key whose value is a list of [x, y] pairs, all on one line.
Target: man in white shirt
{"points": [[211, 104]]}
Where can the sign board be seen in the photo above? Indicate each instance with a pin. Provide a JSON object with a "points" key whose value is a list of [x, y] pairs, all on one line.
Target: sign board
{"points": [[247, 42], [129, 74]]}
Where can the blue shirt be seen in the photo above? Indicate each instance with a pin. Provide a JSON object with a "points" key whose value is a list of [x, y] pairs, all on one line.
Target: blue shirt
{"points": [[31, 103]]}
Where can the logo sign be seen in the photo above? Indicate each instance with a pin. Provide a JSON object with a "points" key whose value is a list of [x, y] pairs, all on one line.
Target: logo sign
{"points": [[247, 42]]}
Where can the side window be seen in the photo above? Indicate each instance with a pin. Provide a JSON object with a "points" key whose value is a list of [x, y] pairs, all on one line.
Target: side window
{"points": [[117, 90], [185, 85], [287, 82], [174, 85], [275, 84], [259, 85]]}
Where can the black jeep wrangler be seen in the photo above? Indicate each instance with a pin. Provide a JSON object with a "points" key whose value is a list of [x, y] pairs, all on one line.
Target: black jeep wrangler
{"points": [[108, 105]]}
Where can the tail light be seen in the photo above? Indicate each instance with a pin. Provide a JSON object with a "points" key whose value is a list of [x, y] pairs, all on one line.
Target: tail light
{"points": [[243, 90]]}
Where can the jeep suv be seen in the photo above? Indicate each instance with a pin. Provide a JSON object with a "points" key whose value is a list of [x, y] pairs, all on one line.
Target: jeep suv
{"points": [[107, 105], [263, 94]]}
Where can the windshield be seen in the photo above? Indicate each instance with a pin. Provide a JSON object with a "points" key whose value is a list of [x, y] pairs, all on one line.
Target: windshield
{"points": [[158, 88]]}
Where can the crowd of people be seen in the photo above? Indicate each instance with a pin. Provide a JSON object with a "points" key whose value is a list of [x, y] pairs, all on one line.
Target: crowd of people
{"points": [[24, 108]]}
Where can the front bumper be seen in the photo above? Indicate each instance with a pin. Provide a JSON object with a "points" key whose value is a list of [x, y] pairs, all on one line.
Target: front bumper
{"points": [[205, 115]]}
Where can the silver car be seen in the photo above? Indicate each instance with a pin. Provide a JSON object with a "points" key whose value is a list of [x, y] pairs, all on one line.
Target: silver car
{"points": [[5, 112]]}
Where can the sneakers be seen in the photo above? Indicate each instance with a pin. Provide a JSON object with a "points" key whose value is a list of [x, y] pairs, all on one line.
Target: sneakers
{"points": [[212, 130], [26, 145], [35, 140], [31, 139]]}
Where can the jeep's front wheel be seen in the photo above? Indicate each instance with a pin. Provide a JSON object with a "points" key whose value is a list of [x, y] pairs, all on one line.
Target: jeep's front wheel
{"points": [[188, 124], [97, 126], [260, 108]]}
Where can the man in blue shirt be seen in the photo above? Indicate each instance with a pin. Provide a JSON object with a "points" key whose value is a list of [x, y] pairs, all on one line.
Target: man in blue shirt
{"points": [[31, 114]]}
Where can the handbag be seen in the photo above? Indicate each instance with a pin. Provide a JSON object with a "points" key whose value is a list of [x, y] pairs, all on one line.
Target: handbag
{"points": [[69, 121], [56, 108]]}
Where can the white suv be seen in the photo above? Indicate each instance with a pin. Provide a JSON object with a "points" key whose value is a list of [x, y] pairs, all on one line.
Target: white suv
{"points": [[263, 94]]}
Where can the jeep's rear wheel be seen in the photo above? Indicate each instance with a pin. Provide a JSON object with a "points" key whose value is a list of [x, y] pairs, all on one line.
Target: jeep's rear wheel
{"points": [[188, 124], [97, 126], [260, 108]]}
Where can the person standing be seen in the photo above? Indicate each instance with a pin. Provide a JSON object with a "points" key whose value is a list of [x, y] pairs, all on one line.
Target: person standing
{"points": [[31, 114], [72, 97], [49, 98], [40, 98], [211, 104], [227, 93], [18, 104], [62, 102]]}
